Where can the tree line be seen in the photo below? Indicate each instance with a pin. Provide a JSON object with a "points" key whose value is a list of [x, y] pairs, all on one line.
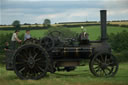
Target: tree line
{"points": [[46, 23]]}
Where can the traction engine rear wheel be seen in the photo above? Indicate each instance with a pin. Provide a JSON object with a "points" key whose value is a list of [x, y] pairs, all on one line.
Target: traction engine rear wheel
{"points": [[31, 62], [103, 65]]}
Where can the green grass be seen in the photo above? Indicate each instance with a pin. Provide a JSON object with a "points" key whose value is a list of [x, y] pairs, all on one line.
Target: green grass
{"points": [[80, 76], [94, 31]]}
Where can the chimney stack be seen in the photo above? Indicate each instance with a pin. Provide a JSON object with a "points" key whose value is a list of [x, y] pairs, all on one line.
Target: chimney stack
{"points": [[103, 25]]}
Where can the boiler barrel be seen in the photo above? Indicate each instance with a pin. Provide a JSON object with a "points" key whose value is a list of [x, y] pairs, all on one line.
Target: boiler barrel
{"points": [[73, 52]]}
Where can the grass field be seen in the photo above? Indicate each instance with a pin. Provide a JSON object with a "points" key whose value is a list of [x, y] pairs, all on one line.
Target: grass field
{"points": [[80, 76], [94, 31]]}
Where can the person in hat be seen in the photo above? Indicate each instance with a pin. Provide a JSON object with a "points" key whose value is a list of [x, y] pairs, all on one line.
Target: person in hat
{"points": [[15, 39]]}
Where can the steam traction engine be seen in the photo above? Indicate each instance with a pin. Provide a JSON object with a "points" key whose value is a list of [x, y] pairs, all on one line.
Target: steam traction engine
{"points": [[35, 58]]}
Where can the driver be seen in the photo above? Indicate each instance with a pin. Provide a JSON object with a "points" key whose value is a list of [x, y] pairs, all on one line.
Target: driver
{"points": [[83, 35], [27, 35]]}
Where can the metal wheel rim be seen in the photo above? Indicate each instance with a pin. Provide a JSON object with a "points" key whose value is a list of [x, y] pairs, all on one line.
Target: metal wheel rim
{"points": [[104, 65], [30, 70]]}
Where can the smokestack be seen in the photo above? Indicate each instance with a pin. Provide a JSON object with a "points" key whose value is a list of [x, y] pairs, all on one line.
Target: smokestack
{"points": [[103, 25]]}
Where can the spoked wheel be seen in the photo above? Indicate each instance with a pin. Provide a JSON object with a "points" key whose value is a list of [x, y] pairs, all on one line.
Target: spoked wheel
{"points": [[47, 43], [30, 62], [103, 65], [55, 34]]}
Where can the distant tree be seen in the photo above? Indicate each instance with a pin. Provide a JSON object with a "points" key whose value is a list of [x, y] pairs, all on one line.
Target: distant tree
{"points": [[26, 24], [47, 23], [16, 23], [30, 26], [36, 24]]}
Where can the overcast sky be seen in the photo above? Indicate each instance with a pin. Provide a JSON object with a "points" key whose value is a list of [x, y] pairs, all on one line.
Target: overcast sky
{"points": [[35, 11]]}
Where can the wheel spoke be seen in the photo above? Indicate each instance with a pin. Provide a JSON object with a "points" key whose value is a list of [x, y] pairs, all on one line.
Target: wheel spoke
{"points": [[38, 59], [19, 59], [25, 51], [19, 67], [41, 63], [96, 67], [98, 70], [22, 69], [21, 62], [108, 69], [101, 72], [111, 64], [104, 72], [106, 59], [30, 53], [101, 58], [98, 61], [35, 55], [22, 55], [41, 69]]}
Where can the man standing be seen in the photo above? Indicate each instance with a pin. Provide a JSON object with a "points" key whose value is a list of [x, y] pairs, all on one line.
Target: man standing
{"points": [[27, 35], [15, 39]]}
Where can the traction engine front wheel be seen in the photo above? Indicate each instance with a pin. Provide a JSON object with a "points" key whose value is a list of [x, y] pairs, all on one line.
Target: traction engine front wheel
{"points": [[103, 65]]}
